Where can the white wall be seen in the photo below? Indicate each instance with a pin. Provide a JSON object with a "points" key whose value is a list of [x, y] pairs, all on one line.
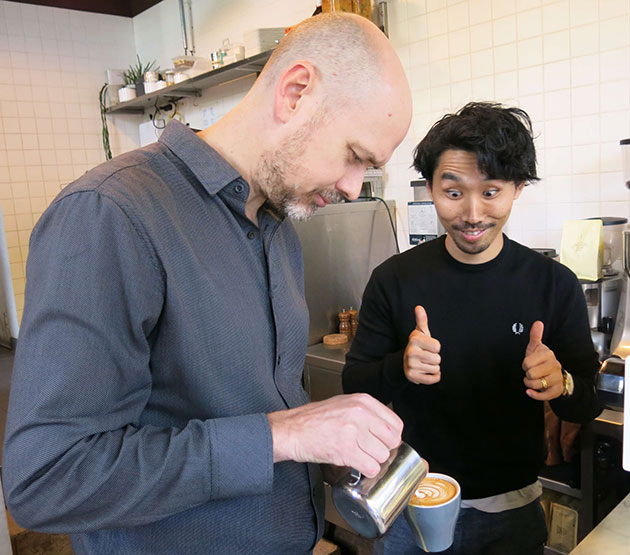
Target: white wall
{"points": [[158, 31], [52, 66], [566, 62]]}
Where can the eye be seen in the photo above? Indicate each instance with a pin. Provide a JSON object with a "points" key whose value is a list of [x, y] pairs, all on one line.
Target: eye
{"points": [[354, 157], [453, 193], [489, 193]]}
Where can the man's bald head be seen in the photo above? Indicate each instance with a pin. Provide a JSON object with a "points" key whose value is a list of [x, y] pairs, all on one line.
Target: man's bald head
{"points": [[346, 51], [332, 100]]}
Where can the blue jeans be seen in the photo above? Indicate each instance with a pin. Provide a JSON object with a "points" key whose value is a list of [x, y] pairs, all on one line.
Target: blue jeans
{"points": [[519, 531]]}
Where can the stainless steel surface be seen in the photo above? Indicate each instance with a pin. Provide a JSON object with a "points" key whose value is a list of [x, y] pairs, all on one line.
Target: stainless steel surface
{"points": [[370, 505], [599, 344], [610, 383], [625, 247], [620, 343], [322, 370], [592, 294], [342, 244], [383, 18], [611, 292], [602, 303], [182, 15]]}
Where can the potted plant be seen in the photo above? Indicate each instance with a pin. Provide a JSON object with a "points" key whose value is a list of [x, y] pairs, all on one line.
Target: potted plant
{"points": [[134, 75]]}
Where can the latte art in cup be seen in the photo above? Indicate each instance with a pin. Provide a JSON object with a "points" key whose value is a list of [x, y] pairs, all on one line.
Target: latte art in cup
{"points": [[433, 491], [433, 511]]}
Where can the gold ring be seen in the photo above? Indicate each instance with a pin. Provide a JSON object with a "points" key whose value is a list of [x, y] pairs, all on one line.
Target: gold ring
{"points": [[543, 384]]}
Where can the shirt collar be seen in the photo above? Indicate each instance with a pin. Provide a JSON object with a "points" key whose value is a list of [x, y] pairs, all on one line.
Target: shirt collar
{"points": [[209, 167]]}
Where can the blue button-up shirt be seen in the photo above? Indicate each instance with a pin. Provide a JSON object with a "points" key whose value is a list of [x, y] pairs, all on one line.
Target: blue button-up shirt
{"points": [[160, 326]]}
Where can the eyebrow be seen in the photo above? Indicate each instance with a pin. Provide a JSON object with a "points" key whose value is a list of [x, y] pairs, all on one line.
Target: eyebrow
{"points": [[450, 176], [454, 177], [366, 155]]}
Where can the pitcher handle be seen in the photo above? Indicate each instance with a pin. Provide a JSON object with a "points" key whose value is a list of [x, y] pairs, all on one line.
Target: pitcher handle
{"points": [[355, 476]]}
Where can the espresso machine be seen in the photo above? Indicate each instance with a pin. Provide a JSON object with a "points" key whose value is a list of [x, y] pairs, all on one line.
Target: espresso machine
{"points": [[620, 343], [602, 296], [610, 380]]}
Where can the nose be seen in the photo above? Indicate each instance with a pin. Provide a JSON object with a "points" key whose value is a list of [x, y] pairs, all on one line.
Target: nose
{"points": [[351, 183], [473, 210]]}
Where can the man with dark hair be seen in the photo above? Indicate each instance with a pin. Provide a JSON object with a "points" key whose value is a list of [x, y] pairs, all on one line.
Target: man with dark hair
{"points": [[467, 335], [157, 405]]}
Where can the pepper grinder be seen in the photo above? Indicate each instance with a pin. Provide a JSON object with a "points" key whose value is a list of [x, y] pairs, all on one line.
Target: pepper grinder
{"points": [[354, 323], [344, 324]]}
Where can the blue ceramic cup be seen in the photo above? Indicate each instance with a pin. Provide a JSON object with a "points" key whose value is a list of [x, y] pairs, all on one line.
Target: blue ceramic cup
{"points": [[432, 512]]}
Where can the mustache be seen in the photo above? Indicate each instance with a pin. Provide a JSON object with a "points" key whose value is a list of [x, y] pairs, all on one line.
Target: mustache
{"points": [[472, 227], [331, 196]]}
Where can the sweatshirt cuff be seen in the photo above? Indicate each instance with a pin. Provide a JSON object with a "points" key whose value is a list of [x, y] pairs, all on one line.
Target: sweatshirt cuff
{"points": [[241, 456], [581, 407]]}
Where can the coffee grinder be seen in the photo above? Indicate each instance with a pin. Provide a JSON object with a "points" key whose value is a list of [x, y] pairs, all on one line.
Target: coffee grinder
{"points": [[620, 343], [602, 296]]}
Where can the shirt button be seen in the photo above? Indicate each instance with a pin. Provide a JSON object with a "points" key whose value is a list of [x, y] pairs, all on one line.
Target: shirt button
{"points": [[238, 188], [251, 234]]}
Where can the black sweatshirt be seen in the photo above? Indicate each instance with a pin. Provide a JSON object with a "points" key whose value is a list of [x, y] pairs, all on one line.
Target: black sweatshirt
{"points": [[476, 424]]}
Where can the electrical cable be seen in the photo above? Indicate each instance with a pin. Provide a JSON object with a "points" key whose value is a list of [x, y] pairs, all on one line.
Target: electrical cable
{"points": [[105, 130], [154, 117], [391, 221]]}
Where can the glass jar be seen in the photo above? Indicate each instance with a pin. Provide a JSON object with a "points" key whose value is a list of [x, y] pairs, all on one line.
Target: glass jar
{"points": [[169, 77]]}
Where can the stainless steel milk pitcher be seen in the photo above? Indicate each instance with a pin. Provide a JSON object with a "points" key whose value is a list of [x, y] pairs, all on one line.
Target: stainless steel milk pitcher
{"points": [[370, 505]]}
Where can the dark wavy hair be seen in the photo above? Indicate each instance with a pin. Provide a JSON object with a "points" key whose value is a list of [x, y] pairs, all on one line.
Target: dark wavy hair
{"points": [[501, 138]]}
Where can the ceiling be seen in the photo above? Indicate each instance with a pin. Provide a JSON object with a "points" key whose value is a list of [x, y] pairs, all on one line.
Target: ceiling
{"points": [[126, 8]]}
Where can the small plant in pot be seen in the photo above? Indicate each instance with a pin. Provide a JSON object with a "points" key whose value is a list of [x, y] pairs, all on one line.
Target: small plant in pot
{"points": [[134, 75]]}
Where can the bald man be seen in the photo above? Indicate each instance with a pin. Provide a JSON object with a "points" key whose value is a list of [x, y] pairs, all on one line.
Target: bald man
{"points": [[156, 405]]}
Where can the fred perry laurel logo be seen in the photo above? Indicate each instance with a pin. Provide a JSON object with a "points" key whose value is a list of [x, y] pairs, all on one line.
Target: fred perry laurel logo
{"points": [[517, 328]]}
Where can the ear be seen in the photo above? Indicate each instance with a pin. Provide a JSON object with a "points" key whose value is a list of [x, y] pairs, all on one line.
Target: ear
{"points": [[519, 189], [295, 83], [430, 189]]}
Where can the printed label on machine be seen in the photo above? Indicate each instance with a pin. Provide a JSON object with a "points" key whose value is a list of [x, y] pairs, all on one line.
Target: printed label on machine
{"points": [[423, 221]]}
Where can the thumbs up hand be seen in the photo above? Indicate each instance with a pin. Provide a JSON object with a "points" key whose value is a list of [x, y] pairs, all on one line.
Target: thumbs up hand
{"points": [[543, 372], [421, 361]]}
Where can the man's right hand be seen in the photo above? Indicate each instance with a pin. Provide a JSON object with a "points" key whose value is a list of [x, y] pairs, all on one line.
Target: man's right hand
{"points": [[421, 361], [347, 430]]}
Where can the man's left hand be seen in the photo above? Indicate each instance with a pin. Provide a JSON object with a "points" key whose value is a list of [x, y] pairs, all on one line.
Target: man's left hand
{"points": [[543, 372]]}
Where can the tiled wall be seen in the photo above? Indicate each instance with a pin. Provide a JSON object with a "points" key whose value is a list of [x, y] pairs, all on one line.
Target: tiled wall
{"points": [[52, 66], [567, 62]]}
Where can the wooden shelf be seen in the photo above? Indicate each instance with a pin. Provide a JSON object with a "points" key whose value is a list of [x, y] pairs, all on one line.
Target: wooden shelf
{"points": [[195, 85]]}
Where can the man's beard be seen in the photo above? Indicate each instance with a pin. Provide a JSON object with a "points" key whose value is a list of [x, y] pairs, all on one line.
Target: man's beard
{"points": [[282, 197], [286, 200]]}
